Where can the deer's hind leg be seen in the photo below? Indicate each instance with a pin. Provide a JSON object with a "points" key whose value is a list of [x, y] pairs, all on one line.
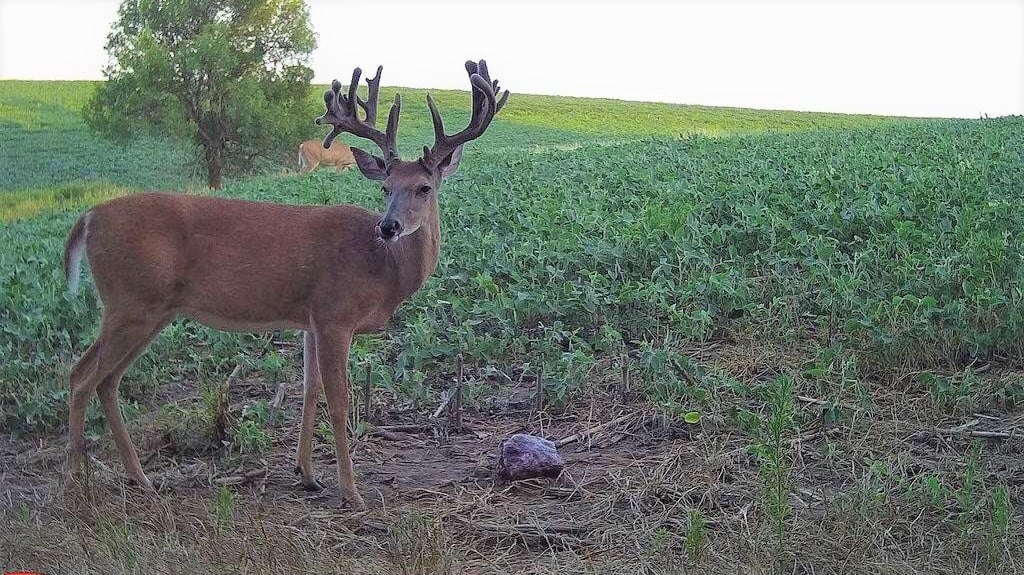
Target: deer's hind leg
{"points": [[311, 387], [122, 339]]}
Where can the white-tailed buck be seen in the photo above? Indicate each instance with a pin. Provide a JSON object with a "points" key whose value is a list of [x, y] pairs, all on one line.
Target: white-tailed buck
{"points": [[312, 153], [331, 271]]}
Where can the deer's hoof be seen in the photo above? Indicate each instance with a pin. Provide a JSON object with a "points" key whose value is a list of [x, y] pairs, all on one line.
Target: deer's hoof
{"points": [[354, 502], [311, 485]]}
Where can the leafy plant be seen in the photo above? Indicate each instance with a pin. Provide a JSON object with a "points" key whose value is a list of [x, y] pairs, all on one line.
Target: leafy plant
{"points": [[250, 433], [775, 459], [672, 381]]}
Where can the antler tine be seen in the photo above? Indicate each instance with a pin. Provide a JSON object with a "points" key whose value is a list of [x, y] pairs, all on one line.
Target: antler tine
{"points": [[485, 106], [370, 105], [435, 117], [333, 109], [353, 96], [391, 136]]}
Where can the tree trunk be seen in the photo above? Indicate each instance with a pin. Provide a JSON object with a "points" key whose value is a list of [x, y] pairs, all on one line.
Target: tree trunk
{"points": [[213, 169], [214, 164]]}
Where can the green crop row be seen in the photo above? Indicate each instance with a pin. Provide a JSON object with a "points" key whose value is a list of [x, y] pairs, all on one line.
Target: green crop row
{"points": [[901, 241]]}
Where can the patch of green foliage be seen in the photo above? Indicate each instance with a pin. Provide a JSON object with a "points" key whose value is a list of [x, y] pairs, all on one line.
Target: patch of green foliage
{"points": [[901, 239], [46, 143], [229, 74]]}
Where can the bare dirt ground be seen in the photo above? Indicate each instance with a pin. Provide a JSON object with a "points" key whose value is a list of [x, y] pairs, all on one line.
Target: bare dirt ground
{"points": [[650, 494]]}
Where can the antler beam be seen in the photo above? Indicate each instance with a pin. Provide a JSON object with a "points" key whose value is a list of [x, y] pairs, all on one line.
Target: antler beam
{"points": [[485, 106]]}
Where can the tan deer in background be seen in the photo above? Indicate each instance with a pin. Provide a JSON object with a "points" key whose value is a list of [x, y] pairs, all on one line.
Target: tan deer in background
{"points": [[312, 153], [332, 271]]}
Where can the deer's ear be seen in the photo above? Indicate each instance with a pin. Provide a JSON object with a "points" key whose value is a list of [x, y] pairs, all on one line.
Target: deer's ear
{"points": [[451, 164], [371, 166]]}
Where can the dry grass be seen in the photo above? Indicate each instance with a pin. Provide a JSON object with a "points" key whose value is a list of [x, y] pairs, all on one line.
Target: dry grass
{"points": [[895, 485]]}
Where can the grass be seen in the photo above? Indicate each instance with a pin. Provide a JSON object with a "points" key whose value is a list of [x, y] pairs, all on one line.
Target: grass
{"points": [[47, 143], [871, 263], [64, 197]]}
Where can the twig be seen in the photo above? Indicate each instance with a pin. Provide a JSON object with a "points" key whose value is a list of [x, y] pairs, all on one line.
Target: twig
{"points": [[392, 435], [233, 376], [406, 428], [588, 432], [962, 430], [792, 442], [446, 398], [237, 479], [541, 533], [275, 404], [456, 413], [538, 393], [823, 403], [992, 434], [625, 374], [366, 392], [813, 400]]}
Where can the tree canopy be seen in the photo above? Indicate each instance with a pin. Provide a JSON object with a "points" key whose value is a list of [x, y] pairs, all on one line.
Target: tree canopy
{"points": [[232, 74]]}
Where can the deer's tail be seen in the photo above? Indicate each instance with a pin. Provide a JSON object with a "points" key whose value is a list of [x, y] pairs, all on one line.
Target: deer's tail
{"points": [[74, 249]]}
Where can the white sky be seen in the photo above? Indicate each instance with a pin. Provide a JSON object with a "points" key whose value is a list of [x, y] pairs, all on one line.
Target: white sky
{"points": [[906, 57]]}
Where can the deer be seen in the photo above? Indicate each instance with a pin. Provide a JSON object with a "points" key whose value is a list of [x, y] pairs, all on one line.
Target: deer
{"points": [[313, 154], [331, 271]]}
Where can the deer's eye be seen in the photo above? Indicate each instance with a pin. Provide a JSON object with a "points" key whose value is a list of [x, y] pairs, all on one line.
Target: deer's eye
{"points": [[387, 192], [424, 190]]}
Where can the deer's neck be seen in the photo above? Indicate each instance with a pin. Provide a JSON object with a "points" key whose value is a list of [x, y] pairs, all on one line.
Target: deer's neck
{"points": [[415, 261]]}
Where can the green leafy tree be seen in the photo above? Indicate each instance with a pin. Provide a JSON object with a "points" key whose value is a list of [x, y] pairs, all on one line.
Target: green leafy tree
{"points": [[233, 74]]}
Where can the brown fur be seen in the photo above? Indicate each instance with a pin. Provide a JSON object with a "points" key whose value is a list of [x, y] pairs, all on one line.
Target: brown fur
{"points": [[223, 262], [312, 154]]}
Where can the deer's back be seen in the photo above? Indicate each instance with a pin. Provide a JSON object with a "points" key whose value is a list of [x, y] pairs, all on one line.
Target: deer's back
{"points": [[338, 153], [230, 263]]}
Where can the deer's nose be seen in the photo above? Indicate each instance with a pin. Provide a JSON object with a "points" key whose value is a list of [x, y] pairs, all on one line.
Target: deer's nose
{"points": [[389, 228]]}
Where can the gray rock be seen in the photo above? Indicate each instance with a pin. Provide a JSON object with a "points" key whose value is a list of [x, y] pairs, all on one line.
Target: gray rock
{"points": [[527, 456]]}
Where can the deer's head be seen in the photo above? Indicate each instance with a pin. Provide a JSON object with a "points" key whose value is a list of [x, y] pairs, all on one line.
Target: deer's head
{"points": [[411, 187]]}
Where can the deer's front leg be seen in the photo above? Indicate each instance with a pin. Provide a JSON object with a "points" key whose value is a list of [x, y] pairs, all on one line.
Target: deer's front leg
{"points": [[311, 386], [332, 345]]}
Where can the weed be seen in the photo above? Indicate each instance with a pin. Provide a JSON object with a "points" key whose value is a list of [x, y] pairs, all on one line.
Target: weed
{"points": [[997, 528], [968, 494], [951, 393], [660, 550], [224, 507], [274, 366], [774, 455], [216, 416], [250, 431], [931, 492], [672, 381], [696, 538]]}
